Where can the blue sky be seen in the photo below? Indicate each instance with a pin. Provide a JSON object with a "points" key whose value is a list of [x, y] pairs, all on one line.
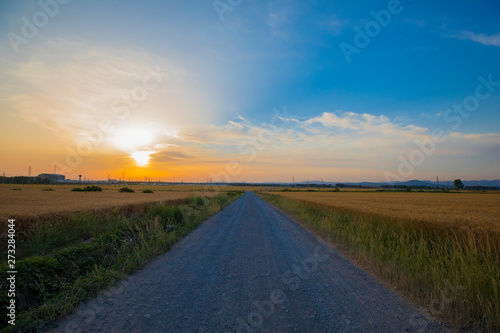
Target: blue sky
{"points": [[267, 55]]}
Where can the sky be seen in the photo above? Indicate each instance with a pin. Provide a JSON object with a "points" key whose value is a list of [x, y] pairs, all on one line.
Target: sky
{"points": [[257, 91]]}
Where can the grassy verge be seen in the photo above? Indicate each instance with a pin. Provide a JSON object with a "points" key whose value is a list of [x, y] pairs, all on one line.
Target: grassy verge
{"points": [[456, 275], [54, 279]]}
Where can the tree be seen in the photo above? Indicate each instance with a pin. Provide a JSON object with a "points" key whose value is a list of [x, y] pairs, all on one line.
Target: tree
{"points": [[458, 184]]}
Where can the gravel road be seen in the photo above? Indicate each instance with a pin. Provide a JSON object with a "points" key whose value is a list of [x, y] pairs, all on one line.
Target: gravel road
{"points": [[251, 268]]}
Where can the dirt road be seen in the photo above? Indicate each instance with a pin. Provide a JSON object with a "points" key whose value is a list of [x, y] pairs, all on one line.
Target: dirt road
{"points": [[250, 268]]}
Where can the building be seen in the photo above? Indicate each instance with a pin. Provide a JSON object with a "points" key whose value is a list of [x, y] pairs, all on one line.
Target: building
{"points": [[52, 177]]}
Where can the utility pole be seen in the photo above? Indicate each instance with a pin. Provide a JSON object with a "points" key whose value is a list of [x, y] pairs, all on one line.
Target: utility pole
{"points": [[29, 171], [437, 182]]}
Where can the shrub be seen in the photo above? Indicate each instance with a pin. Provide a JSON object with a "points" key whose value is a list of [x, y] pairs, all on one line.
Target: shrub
{"points": [[221, 200], [48, 189], [171, 214], [196, 201], [15, 189], [93, 188], [126, 189], [147, 191]]}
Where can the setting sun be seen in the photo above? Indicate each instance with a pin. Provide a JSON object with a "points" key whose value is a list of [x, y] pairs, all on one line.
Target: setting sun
{"points": [[141, 158], [130, 139]]}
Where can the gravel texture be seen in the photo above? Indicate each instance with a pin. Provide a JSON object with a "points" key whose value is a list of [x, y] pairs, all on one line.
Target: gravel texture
{"points": [[250, 268]]}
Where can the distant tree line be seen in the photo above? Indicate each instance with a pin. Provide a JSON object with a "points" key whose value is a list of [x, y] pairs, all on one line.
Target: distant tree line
{"points": [[23, 180]]}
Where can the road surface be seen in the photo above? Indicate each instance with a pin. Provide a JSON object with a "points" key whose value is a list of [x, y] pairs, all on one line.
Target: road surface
{"points": [[251, 268]]}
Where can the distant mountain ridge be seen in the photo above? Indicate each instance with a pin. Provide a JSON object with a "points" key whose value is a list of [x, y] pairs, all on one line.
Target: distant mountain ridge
{"points": [[415, 182]]}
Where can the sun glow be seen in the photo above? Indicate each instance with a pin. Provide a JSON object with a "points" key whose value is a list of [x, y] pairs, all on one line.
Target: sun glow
{"points": [[130, 139], [141, 158]]}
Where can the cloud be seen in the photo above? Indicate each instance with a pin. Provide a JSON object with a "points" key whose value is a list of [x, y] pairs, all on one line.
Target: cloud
{"points": [[170, 156], [331, 140], [488, 40], [276, 21], [71, 87], [333, 24], [420, 23]]}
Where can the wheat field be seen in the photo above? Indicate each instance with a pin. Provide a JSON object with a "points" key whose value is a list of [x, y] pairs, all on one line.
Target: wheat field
{"points": [[467, 209], [32, 201]]}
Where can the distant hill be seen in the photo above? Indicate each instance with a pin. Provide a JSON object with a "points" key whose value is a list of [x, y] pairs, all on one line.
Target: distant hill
{"points": [[486, 183]]}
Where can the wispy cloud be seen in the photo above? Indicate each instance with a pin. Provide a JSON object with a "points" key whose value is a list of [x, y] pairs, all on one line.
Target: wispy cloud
{"points": [[276, 22], [336, 140], [488, 40], [420, 23], [333, 24], [71, 87]]}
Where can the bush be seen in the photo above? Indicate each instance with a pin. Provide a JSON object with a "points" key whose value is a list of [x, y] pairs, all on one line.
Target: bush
{"points": [[147, 191], [93, 188], [48, 189], [196, 201], [15, 189], [221, 201], [126, 189], [171, 214]]}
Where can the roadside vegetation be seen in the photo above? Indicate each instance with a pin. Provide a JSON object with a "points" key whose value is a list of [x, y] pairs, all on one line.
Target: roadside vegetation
{"points": [[454, 272], [65, 262]]}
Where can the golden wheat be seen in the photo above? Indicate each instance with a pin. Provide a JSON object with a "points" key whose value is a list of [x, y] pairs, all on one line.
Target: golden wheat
{"points": [[31, 201], [473, 210]]}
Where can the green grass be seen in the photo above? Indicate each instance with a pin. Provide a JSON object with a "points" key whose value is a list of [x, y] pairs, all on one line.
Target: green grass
{"points": [[59, 272], [456, 275]]}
